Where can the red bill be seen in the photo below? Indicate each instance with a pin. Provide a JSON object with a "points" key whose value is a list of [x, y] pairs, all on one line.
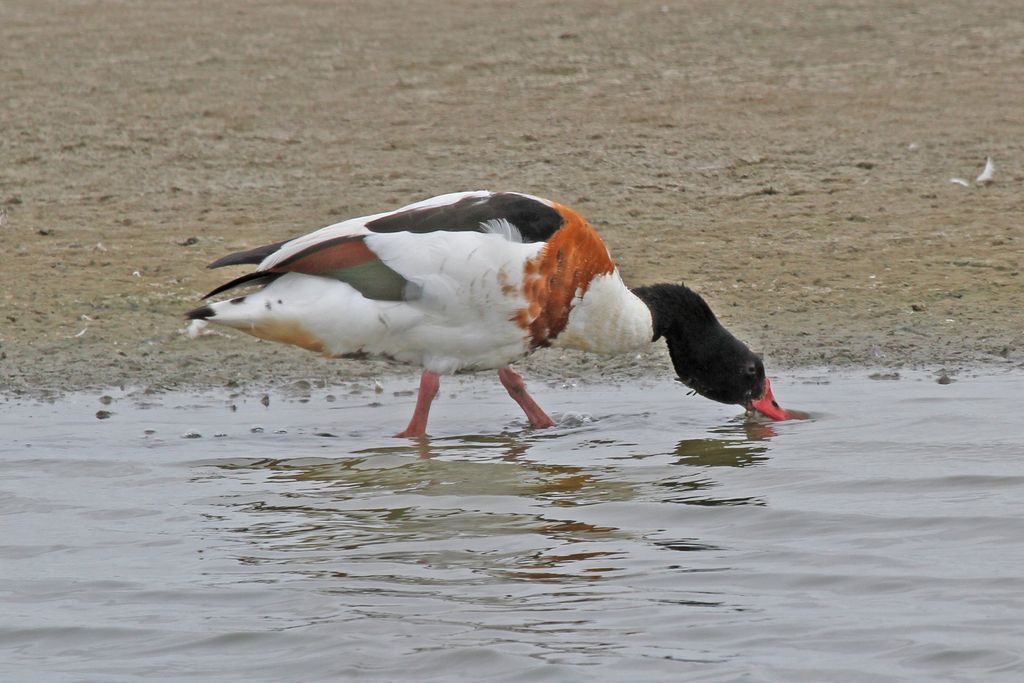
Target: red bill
{"points": [[767, 406]]}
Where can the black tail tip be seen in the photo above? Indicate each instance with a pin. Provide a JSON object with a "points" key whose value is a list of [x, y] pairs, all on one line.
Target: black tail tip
{"points": [[201, 313]]}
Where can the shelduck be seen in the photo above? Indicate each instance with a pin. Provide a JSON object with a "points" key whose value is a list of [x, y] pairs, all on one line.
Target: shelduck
{"points": [[475, 281]]}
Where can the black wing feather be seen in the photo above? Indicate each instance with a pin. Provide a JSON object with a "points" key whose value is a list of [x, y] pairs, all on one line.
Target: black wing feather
{"points": [[254, 256], [258, 278], [536, 221]]}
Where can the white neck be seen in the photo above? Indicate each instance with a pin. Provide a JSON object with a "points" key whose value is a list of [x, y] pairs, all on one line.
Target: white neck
{"points": [[609, 319]]}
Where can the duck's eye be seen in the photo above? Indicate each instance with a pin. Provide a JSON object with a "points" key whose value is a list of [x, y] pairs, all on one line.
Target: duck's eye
{"points": [[751, 369]]}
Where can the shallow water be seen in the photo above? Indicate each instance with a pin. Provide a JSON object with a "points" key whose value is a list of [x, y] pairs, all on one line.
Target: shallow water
{"points": [[650, 536]]}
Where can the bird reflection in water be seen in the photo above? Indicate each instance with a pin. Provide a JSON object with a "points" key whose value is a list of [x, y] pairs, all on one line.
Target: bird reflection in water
{"points": [[736, 445], [473, 503], [742, 444]]}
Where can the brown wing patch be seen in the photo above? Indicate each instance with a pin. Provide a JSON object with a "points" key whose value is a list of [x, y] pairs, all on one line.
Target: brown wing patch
{"points": [[348, 259], [328, 256], [573, 256]]}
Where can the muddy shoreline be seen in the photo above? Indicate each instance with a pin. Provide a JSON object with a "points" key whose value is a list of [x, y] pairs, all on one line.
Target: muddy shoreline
{"points": [[791, 163]]}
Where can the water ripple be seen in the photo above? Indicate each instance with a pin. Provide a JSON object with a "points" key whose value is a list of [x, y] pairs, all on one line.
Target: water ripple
{"points": [[655, 537]]}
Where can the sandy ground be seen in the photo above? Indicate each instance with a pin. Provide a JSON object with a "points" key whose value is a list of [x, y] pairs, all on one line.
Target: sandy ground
{"points": [[789, 160]]}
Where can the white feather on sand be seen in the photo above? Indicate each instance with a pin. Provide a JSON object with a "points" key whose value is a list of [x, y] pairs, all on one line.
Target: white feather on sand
{"points": [[987, 174]]}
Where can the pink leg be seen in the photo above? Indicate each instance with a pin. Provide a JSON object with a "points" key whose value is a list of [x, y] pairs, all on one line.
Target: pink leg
{"points": [[430, 382], [511, 380]]}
